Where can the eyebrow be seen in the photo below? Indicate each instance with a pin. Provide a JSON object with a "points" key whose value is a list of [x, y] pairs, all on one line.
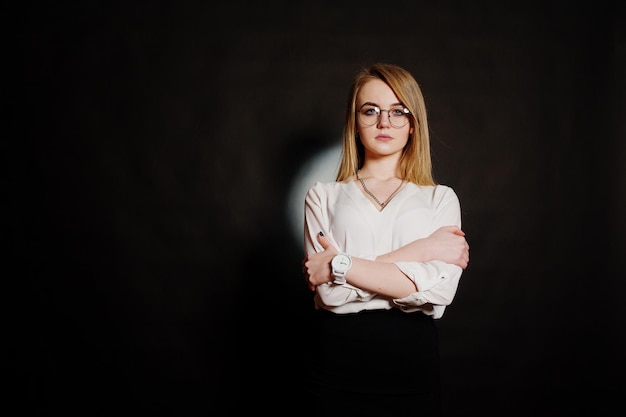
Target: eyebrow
{"points": [[369, 103]]}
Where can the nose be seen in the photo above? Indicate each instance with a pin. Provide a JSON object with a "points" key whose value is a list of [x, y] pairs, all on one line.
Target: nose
{"points": [[383, 119]]}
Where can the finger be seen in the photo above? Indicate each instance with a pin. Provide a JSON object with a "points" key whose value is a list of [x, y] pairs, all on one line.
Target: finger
{"points": [[323, 240], [453, 229]]}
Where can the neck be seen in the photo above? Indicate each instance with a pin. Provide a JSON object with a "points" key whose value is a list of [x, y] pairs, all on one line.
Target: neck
{"points": [[383, 168], [379, 174]]}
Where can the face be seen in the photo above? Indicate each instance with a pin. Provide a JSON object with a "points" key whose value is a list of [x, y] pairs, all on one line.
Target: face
{"points": [[383, 137]]}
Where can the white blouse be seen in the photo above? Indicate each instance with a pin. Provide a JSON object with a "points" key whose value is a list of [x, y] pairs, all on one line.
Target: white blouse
{"points": [[354, 225]]}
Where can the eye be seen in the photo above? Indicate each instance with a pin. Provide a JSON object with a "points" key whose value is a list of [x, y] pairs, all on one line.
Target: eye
{"points": [[399, 111], [370, 111]]}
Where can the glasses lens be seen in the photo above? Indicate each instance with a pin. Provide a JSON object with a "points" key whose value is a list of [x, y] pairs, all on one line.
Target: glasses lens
{"points": [[398, 117], [370, 115]]}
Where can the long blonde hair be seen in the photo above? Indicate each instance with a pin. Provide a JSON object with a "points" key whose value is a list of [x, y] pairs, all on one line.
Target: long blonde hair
{"points": [[415, 162]]}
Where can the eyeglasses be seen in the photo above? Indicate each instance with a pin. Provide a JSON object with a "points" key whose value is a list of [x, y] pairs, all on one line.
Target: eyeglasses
{"points": [[370, 115]]}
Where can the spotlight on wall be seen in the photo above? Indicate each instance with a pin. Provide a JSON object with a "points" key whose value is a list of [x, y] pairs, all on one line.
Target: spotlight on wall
{"points": [[320, 167]]}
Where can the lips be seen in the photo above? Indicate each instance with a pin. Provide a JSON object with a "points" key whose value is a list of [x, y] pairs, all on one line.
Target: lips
{"points": [[384, 138]]}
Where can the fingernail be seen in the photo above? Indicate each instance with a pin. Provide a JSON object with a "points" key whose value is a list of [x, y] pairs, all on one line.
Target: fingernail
{"points": [[321, 233]]}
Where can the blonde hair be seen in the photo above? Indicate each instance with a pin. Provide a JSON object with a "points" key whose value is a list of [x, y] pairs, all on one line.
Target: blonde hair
{"points": [[415, 162]]}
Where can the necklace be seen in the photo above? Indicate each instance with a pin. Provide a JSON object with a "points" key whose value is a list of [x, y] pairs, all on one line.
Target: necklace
{"points": [[383, 204]]}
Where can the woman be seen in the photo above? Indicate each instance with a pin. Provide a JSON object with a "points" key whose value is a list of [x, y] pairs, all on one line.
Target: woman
{"points": [[384, 255]]}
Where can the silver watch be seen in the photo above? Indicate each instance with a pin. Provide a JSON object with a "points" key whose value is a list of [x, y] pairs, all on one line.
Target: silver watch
{"points": [[340, 264]]}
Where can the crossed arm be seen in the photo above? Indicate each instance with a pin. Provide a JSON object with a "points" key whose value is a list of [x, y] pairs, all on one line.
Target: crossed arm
{"points": [[447, 244]]}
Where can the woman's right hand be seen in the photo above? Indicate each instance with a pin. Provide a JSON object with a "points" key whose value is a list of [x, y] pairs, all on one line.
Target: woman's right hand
{"points": [[446, 244]]}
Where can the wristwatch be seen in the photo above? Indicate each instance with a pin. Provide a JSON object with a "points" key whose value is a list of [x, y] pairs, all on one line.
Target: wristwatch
{"points": [[340, 264]]}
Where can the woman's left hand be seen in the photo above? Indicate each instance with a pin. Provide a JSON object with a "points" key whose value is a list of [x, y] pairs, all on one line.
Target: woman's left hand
{"points": [[316, 266]]}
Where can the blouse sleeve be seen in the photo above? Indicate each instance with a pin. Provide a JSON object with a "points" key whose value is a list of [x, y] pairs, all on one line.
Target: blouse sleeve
{"points": [[316, 219], [437, 281]]}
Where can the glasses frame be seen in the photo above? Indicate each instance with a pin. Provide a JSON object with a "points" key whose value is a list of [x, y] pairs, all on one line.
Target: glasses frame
{"points": [[379, 114]]}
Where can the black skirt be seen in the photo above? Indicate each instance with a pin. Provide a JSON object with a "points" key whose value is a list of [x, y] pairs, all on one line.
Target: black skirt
{"points": [[374, 363]]}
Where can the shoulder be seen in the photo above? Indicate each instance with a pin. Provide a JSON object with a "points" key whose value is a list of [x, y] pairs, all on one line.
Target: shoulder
{"points": [[327, 187], [437, 189], [324, 189], [442, 189], [445, 195], [438, 193]]}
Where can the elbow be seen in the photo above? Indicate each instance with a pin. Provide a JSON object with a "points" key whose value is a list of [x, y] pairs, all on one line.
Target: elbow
{"points": [[331, 298]]}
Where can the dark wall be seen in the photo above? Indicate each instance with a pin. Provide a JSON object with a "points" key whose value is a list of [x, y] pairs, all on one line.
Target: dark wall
{"points": [[149, 153]]}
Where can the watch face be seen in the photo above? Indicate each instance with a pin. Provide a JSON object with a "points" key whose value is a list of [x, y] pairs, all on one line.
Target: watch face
{"points": [[341, 263]]}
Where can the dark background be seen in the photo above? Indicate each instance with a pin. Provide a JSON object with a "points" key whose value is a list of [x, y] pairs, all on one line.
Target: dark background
{"points": [[149, 149]]}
